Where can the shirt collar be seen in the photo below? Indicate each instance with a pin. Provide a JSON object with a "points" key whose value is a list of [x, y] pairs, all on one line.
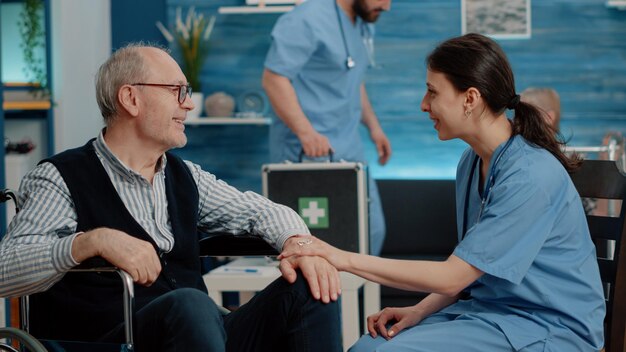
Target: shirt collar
{"points": [[107, 157]]}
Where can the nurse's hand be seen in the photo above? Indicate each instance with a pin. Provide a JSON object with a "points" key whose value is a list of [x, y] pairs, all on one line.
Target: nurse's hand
{"points": [[313, 246], [404, 317], [314, 144], [383, 146]]}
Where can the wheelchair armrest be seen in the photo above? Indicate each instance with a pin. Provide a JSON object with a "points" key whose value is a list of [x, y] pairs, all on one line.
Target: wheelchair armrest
{"points": [[227, 245], [99, 264], [25, 339], [94, 263]]}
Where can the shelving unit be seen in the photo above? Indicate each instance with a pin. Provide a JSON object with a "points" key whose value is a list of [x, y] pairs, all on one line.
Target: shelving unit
{"points": [[18, 104], [243, 10], [260, 7]]}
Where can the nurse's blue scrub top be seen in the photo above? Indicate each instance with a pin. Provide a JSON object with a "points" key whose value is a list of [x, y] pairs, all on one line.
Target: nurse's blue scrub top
{"points": [[307, 48], [532, 242]]}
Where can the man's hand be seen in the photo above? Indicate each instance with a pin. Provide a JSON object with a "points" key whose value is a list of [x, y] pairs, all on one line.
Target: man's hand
{"points": [[383, 146], [314, 144], [137, 257], [322, 277]]}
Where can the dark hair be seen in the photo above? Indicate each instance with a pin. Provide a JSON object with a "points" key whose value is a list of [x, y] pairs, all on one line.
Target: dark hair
{"points": [[473, 60]]}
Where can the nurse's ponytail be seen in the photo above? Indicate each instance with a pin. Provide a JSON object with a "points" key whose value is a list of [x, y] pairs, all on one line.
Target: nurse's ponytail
{"points": [[532, 125], [473, 60]]}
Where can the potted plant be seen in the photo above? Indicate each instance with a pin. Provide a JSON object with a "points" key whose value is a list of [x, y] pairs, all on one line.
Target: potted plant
{"points": [[192, 37], [30, 26]]}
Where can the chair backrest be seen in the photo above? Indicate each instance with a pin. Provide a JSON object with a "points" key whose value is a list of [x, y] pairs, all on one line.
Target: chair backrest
{"points": [[602, 180]]}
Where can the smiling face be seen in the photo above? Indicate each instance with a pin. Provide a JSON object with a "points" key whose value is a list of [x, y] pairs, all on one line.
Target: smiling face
{"points": [[161, 118], [445, 106]]}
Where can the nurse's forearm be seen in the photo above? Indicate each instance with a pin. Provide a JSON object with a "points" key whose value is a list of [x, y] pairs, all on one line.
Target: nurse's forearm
{"points": [[285, 103], [433, 303], [447, 278], [368, 116]]}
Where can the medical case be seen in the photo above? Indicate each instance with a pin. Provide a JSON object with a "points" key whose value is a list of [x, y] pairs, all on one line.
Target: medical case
{"points": [[331, 197]]}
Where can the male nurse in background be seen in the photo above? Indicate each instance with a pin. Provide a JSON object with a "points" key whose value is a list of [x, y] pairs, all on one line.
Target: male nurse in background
{"points": [[314, 78]]}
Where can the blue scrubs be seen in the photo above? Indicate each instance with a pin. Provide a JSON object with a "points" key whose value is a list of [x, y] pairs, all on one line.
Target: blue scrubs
{"points": [[307, 47], [541, 290]]}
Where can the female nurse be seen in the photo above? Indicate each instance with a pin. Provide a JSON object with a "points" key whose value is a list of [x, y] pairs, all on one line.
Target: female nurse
{"points": [[524, 275]]}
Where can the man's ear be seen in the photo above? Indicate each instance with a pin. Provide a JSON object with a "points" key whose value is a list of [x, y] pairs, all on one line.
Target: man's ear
{"points": [[472, 97], [128, 99]]}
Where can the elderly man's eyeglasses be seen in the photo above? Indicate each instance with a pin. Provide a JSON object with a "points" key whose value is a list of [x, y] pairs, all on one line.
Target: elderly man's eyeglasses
{"points": [[183, 89]]}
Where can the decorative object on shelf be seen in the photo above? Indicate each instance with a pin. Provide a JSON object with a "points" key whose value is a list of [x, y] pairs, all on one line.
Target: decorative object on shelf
{"points": [[198, 100], [22, 147], [219, 104], [30, 26], [192, 37], [252, 103], [618, 4]]}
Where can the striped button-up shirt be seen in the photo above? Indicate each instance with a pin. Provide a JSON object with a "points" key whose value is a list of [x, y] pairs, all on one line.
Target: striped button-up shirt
{"points": [[36, 251]]}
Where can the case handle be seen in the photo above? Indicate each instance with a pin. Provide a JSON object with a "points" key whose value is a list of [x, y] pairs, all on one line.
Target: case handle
{"points": [[330, 155]]}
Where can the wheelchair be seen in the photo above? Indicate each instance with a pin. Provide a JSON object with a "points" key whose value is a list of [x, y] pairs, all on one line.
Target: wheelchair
{"points": [[216, 245]]}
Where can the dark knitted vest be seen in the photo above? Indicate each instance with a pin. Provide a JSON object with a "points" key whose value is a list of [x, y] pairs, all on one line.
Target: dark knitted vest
{"points": [[85, 306]]}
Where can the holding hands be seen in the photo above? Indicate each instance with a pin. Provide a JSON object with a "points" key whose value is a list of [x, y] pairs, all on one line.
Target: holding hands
{"points": [[313, 246], [322, 276]]}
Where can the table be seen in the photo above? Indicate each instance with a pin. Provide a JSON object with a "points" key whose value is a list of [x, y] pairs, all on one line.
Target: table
{"points": [[232, 277]]}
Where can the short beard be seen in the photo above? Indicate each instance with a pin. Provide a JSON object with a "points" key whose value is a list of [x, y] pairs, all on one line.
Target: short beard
{"points": [[368, 16]]}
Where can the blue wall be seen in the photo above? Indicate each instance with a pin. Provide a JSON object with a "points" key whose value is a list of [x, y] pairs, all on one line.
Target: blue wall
{"points": [[577, 47], [133, 20]]}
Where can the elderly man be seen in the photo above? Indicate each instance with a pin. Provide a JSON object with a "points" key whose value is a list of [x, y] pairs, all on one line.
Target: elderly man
{"points": [[125, 198], [548, 101]]}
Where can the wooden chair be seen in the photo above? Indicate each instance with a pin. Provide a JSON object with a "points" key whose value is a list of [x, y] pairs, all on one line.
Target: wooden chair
{"points": [[601, 179]]}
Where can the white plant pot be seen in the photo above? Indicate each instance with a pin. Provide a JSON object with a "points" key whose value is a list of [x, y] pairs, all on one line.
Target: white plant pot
{"points": [[198, 99]]}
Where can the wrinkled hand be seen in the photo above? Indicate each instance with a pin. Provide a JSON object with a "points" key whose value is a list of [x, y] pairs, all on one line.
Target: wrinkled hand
{"points": [[313, 246], [323, 278], [314, 144], [383, 146], [137, 257], [404, 317]]}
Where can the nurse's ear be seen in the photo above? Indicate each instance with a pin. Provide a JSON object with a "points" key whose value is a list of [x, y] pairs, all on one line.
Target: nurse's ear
{"points": [[472, 98]]}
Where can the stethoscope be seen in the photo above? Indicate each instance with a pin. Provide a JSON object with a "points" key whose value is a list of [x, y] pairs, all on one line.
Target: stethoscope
{"points": [[490, 184], [368, 41]]}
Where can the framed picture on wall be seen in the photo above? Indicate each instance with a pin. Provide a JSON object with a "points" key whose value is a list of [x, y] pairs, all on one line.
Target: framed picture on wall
{"points": [[502, 19]]}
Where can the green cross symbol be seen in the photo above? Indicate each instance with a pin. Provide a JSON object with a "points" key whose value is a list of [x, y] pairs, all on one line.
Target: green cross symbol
{"points": [[314, 211]]}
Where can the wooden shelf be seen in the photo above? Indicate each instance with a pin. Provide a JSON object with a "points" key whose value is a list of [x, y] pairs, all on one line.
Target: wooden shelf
{"points": [[26, 105], [228, 121], [33, 85]]}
